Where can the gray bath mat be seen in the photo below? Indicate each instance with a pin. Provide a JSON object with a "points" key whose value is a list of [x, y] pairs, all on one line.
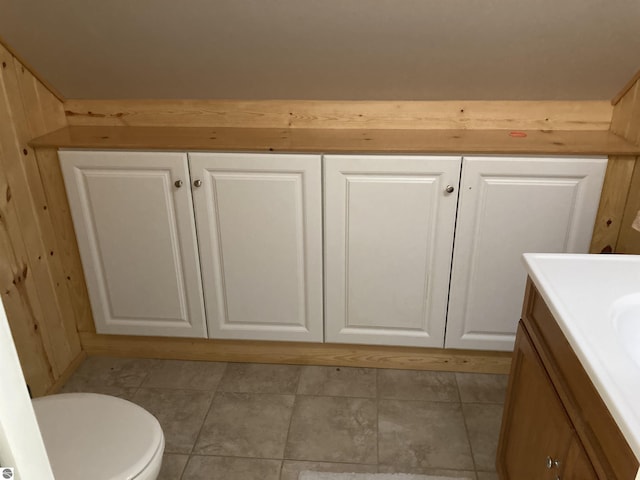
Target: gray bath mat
{"points": [[306, 475]]}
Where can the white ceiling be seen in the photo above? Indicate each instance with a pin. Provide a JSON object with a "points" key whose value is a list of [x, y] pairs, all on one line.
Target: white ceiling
{"points": [[329, 49]]}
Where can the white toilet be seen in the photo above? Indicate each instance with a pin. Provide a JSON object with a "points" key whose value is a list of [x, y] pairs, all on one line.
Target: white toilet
{"points": [[99, 437]]}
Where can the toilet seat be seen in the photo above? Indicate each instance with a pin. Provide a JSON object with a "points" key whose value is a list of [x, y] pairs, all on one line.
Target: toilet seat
{"points": [[100, 437]]}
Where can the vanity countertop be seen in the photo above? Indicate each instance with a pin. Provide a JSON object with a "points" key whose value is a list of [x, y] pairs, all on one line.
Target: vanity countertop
{"points": [[596, 301]]}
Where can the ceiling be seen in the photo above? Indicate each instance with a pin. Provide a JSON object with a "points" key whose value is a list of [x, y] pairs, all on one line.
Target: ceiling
{"points": [[328, 49]]}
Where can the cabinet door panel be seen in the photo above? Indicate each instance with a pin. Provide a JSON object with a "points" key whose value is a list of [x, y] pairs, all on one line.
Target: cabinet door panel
{"points": [[388, 235], [136, 236], [535, 425], [510, 206], [259, 230]]}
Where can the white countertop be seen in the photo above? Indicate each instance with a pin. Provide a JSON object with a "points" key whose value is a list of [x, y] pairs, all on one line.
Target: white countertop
{"points": [[583, 293]]}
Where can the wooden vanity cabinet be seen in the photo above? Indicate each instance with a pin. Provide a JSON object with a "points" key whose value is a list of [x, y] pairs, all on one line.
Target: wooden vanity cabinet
{"points": [[555, 425]]}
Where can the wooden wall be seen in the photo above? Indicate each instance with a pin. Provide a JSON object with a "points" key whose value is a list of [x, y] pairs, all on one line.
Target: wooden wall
{"points": [[620, 203], [41, 287], [520, 115]]}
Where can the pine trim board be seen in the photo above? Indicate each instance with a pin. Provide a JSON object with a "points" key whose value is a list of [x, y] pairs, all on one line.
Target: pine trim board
{"points": [[409, 358]]}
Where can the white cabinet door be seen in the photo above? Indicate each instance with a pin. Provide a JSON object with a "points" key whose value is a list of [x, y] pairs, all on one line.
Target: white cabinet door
{"points": [[137, 241], [259, 227], [510, 206], [389, 224]]}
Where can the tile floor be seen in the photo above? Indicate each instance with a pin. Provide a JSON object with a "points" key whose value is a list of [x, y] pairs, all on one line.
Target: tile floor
{"points": [[268, 422]]}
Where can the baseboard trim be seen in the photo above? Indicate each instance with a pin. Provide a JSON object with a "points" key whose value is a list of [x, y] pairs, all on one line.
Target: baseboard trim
{"points": [[409, 358], [70, 370]]}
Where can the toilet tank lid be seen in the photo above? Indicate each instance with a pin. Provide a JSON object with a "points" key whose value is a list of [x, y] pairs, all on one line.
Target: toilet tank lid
{"points": [[95, 436]]}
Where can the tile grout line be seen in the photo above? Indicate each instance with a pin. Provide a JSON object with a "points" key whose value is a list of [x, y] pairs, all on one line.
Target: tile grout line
{"points": [[293, 408], [204, 420], [466, 428]]}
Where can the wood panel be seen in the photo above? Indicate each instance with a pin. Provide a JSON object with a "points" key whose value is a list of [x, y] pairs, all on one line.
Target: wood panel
{"points": [[626, 115], [613, 199], [629, 239], [40, 305], [628, 86], [418, 115], [409, 358], [621, 195], [560, 142]]}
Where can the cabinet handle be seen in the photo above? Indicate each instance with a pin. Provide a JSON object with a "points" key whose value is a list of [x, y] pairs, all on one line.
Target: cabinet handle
{"points": [[197, 183], [178, 183], [449, 189], [551, 463]]}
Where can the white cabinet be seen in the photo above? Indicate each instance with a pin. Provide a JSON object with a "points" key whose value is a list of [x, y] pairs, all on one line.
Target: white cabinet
{"points": [[137, 240], [259, 222], [389, 225], [509, 206], [393, 274]]}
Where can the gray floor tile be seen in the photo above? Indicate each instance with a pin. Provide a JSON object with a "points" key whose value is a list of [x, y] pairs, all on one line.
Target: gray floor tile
{"points": [[338, 381], [423, 435], [417, 385], [482, 387], [185, 375], [487, 476], [101, 372], [440, 472], [260, 378], [228, 468], [333, 429], [180, 412], [246, 425], [291, 468], [483, 424], [172, 466]]}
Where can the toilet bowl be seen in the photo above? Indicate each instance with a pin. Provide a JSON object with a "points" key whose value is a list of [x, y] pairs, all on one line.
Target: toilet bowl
{"points": [[99, 437]]}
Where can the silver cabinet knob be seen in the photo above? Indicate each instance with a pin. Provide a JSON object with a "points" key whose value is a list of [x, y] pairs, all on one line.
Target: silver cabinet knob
{"points": [[551, 463], [449, 189], [197, 183], [178, 183]]}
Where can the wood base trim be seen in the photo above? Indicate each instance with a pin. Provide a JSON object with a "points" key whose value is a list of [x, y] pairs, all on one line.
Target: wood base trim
{"points": [[409, 358], [70, 370]]}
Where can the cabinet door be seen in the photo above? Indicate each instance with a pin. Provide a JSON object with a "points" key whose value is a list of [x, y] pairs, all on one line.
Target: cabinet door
{"points": [[577, 465], [137, 241], [510, 206], [259, 227], [535, 425], [388, 237]]}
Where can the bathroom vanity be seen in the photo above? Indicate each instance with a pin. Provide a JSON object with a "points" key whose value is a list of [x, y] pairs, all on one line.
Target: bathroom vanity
{"points": [[573, 402]]}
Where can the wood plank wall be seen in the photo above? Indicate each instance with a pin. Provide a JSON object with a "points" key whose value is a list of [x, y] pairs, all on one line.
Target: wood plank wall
{"points": [[43, 293], [620, 203], [442, 115]]}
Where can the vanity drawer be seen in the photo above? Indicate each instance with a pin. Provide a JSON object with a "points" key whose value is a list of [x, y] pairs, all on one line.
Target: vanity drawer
{"points": [[606, 446]]}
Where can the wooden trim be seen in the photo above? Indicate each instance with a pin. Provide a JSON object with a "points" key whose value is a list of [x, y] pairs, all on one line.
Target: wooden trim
{"points": [[623, 91], [370, 115], [54, 91], [66, 375], [613, 199], [629, 239], [625, 121], [409, 358], [561, 142]]}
